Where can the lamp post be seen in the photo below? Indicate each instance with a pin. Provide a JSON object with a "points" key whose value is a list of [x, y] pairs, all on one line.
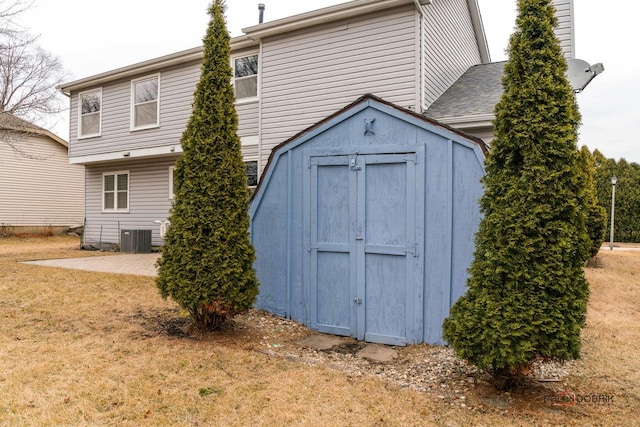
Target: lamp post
{"points": [[614, 179]]}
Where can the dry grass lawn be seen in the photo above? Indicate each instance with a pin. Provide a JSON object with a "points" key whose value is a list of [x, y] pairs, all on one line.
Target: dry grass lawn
{"points": [[91, 349]]}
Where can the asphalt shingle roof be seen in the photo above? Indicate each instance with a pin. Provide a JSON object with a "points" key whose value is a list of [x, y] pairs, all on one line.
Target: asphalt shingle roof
{"points": [[476, 92]]}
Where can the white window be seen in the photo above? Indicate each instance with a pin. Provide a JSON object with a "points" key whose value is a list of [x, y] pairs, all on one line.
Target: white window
{"points": [[172, 183], [245, 77], [145, 105], [115, 192], [90, 113]]}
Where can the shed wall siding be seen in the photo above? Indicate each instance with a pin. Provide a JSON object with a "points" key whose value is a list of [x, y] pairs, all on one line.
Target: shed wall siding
{"points": [[449, 46], [148, 200], [38, 186], [308, 75], [281, 234]]}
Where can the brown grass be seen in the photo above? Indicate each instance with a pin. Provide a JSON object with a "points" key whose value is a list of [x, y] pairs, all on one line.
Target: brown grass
{"points": [[80, 348]]}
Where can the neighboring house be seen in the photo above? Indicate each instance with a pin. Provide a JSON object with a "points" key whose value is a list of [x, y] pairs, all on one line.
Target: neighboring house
{"points": [[39, 189], [126, 124]]}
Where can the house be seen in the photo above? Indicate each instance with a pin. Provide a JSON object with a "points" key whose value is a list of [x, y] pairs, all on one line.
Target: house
{"points": [[363, 224], [39, 189], [126, 124], [468, 103]]}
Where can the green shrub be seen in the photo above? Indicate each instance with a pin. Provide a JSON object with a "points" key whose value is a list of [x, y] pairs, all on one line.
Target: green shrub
{"points": [[207, 257]]}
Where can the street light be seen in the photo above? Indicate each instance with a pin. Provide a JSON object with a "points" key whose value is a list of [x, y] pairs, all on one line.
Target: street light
{"points": [[613, 207]]}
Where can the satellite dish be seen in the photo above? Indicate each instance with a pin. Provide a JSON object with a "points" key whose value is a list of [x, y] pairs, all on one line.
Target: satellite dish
{"points": [[580, 73]]}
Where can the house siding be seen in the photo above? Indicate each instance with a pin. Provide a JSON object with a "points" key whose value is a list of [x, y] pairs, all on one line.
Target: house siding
{"points": [[309, 74], [449, 46], [38, 186], [565, 31], [177, 86], [148, 200]]}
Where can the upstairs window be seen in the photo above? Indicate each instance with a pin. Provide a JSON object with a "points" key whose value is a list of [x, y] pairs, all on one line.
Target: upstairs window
{"points": [[115, 192], [145, 102], [90, 110], [245, 77]]}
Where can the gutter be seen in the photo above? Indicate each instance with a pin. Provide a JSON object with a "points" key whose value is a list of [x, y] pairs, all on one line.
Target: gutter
{"points": [[193, 54]]}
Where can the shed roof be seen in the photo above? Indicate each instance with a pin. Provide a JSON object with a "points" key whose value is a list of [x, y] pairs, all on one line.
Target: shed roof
{"points": [[475, 93]]}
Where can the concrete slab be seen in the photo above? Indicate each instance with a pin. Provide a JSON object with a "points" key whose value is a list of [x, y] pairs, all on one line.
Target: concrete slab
{"points": [[377, 353], [135, 264], [320, 342]]}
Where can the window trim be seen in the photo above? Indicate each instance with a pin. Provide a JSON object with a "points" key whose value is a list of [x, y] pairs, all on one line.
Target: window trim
{"points": [[115, 196], [80, 115], [132, 106], [171, 183], [248, 99]]}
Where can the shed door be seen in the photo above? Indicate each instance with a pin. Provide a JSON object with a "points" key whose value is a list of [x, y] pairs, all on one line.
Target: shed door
{"points": [[364, 266]]}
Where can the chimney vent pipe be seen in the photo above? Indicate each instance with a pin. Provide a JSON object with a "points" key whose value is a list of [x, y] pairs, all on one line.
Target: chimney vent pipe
{"points": [[261, 15]]}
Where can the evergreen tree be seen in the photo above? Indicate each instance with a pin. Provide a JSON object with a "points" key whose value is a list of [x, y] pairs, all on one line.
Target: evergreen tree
{"points": [[627, 212], [207, 259], [596, 214], [527, 294]]}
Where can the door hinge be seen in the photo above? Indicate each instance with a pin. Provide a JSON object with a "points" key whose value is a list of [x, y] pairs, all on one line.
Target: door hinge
{"points": [[415, 252]]}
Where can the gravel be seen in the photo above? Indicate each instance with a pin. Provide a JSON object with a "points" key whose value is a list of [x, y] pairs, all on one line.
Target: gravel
{"points": [[425, 368]]}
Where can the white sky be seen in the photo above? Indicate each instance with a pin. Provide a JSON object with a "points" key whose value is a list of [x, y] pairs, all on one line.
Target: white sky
{"points": [[93, 37]]}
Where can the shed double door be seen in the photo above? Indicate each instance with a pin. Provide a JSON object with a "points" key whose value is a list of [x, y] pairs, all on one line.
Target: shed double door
{"points": [[365, 274]]}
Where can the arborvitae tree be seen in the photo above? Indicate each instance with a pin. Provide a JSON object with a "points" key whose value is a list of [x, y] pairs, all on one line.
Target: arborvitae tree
{"points": [[627, 212], [527, 294], [596, 214], [207, 257]]}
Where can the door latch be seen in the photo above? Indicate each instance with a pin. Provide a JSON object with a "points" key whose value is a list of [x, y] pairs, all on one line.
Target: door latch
{"points": [[354, 163], [357, 300]]}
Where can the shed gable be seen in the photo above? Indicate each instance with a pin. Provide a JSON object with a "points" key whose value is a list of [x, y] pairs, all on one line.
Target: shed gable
{"points": [[373, 205]]}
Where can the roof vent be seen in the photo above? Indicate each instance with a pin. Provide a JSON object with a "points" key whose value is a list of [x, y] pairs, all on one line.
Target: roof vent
{"points": [[261, 13]]}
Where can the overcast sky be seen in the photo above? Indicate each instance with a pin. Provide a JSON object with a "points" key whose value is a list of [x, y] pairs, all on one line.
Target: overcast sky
{"points": [[93, 37]]}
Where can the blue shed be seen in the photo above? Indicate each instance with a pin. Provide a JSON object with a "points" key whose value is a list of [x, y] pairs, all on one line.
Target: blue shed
{"points": [[364, 223]]}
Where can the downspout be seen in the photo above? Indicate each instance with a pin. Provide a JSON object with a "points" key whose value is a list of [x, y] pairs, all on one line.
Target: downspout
{"points": [[421, 104]]}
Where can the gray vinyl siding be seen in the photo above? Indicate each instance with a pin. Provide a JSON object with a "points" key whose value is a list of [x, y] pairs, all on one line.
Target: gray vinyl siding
{"points": [[449, 46], [565, 30], [248, 118], [148, 200], [38, 186], [177, 86], [308, 75]]}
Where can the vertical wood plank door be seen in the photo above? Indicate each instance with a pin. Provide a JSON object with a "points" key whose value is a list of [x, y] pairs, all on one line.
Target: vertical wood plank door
{"points": [[365, 258]]}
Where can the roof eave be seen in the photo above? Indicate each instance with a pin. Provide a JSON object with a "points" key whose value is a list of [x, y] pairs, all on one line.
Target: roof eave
{"points": [[321, 16], [468, 122], [184, 56], [478, 28]]}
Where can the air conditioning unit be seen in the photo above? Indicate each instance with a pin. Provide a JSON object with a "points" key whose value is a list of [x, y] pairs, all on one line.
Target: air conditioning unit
{"points": [[135, 241]]}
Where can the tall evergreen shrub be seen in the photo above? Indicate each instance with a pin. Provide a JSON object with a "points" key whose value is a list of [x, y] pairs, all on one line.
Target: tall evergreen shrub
{"points": [[596, 214], [207, 257], [527, 294]]}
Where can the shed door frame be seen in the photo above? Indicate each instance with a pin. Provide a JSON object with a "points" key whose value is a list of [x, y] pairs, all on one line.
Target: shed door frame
{"points": [[347, 282]]}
